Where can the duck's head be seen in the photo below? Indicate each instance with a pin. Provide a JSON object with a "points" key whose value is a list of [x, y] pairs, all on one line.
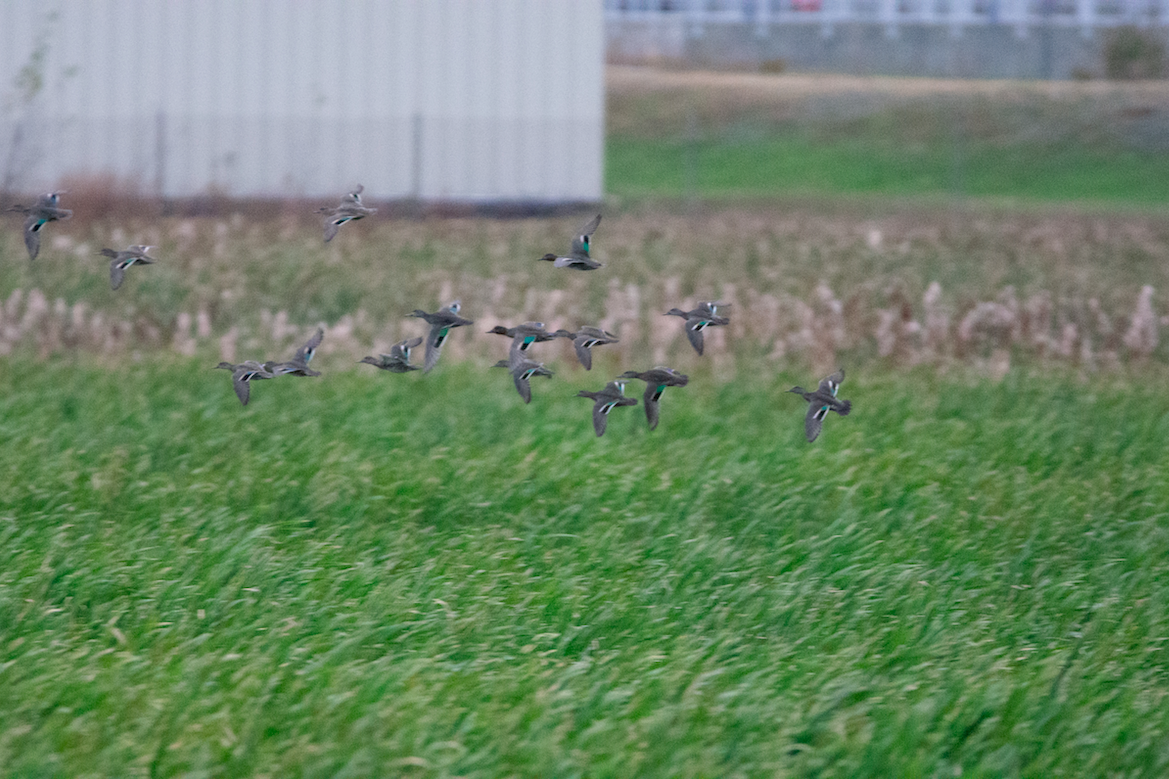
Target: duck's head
{"points": [[370, 360], [548, 258], [498, 330], [226, 366], [676, 312]]}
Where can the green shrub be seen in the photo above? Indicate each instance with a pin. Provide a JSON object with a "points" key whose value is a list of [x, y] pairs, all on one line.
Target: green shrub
{"points": [[1132, 53]]}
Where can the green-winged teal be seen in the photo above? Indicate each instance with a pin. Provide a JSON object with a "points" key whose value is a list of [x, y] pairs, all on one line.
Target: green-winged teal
{"points": [[44, 211], [522, 369], [821, 402], [242, 375], [579, 257], [525, 335], [135, 255], [704, 316], [298, 365], [440, 323], [612, 396], [585, 339], [656, 381], [398, 360], [350, 210]]}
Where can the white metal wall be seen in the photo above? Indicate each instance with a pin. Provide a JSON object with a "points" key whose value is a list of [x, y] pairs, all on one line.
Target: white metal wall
{"points": [[440, 99]]}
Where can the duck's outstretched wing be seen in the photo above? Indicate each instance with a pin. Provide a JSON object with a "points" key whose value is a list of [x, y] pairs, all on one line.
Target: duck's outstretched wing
{"points": [[333, 223], [814, 420], [401, 350], [582, 352], [831, 384], [694, 334], [601, 411], [523, 386], [117, 273], [652, 393], [243, 387], [305, 353], [712, 307], [32, 235], [580, 244], [434, 341]]}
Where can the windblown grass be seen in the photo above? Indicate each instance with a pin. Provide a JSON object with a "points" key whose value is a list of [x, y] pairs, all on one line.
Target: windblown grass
{"points": [[420, 575]]}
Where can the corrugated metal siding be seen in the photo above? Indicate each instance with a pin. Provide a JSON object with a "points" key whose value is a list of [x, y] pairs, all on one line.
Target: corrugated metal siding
{"points": [[441, 99]]}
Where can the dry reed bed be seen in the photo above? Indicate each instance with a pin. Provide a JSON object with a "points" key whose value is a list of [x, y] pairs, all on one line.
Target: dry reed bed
{"points": [[806, 286]]}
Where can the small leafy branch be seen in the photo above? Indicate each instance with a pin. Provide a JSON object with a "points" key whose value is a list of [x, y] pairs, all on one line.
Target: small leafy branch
{"points": [[28, 85]]}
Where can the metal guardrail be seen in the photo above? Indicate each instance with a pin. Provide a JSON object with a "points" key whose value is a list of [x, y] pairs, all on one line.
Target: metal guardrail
{"points": [[1088, 15]]}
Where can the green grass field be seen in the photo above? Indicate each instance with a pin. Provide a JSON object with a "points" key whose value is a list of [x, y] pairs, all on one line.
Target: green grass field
{"points": [[795, 163], [418, 575], [720, 136]]}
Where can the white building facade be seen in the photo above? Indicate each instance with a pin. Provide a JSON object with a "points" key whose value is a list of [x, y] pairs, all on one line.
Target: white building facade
{"points": [[440, 100]]}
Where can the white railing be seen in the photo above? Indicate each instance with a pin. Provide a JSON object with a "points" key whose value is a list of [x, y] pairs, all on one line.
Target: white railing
{"points": [[1088, 15]]}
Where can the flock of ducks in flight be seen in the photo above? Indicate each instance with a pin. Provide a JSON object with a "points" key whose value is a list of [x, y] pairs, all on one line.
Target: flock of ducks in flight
{"points": [[521, 367]]}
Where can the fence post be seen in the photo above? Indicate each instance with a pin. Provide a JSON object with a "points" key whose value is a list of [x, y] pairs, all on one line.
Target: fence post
{"points": [[828, 16], [695, 12], [762, 17], [888, 16], [1015, 14], [961, 14], [1085, 13], [929, 12], [416, 155]]}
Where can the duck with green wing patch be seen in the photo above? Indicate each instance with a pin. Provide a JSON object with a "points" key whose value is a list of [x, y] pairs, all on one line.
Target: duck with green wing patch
{"points": [[704, 316], [120, 260], [525, 335], [398, 360], [656, 380], [578, 258], [609, 398], [440, 323], [242, 376], [584, 339], [522, 370], [350, 210], [821, 401], [45, 210], [298, 365]]}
